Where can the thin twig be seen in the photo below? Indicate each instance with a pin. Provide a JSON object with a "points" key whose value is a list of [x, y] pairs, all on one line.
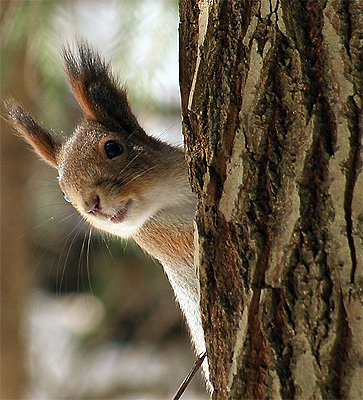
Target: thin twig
{"points": [[189, 377]]}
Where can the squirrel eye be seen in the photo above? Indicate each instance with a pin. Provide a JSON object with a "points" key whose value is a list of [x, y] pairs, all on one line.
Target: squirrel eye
{"points": [[113, 149], [66, 198]]}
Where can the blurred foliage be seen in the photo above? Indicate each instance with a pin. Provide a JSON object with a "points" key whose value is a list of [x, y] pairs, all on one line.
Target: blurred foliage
{"points": [[140, 38]]}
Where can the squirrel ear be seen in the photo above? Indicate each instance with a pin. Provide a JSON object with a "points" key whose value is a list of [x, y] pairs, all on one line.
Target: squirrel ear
{"points": [[95, 89], [42, 141]]}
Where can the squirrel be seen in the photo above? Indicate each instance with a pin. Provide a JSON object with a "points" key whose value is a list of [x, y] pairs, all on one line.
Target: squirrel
{"points": [[122, 180]]}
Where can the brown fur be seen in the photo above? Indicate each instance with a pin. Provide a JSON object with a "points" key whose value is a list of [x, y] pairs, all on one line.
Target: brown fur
{"points": [[43, 142], [143, 192], [167, 242]]}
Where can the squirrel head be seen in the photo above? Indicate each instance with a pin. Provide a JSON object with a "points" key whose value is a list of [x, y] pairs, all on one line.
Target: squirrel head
{"points": [[112, 172]]}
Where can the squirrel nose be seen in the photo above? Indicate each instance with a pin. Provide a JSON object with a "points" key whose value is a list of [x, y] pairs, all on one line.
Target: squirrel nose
{"points": [[92, 205]]}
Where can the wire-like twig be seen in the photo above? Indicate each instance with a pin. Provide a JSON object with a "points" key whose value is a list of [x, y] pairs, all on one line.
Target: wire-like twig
{"points": [[189, 377]]}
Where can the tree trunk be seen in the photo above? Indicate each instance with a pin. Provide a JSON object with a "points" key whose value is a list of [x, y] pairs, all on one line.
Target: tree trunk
{"points": [[271, 102], [15, 246]]}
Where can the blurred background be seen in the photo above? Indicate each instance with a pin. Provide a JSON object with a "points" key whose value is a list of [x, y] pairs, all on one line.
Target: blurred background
{"points": [[84, 316]]}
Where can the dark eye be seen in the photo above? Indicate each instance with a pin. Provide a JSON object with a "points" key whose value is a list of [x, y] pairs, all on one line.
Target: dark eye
{"points": [[113, 149], [66, 198]]}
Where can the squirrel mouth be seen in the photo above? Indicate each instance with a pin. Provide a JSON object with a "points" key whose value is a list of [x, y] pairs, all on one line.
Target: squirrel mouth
{"points": [[120, 215]]}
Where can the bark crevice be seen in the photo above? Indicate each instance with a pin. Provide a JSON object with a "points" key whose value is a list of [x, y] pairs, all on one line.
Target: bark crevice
{"points": [[275, 100], [353, 169]]}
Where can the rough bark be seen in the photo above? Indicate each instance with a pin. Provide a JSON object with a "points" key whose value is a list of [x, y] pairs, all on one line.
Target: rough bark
{"points": [[271, 105]]}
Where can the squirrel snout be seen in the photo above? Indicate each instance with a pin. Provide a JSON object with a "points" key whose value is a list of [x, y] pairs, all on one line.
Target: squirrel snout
{"points": [[92, 205]]}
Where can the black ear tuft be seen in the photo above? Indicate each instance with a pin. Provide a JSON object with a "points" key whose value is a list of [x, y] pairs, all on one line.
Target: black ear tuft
{"points": [[95, 89], [46, 144]]}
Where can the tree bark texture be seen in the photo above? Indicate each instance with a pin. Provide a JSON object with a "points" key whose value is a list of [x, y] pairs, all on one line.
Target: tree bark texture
{"points": [[271, 106]]}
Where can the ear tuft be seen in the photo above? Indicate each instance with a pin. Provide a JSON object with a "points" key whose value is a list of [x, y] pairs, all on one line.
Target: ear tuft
{"points": [[95, 89], [47, 145]]}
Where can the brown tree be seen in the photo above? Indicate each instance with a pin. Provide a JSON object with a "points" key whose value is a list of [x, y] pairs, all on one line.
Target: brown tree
{"points": [[15, 247], [271, 102]]}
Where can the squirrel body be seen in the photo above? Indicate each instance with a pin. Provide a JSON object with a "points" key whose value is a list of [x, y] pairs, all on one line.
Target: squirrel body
{"points": [[122, 180]]}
